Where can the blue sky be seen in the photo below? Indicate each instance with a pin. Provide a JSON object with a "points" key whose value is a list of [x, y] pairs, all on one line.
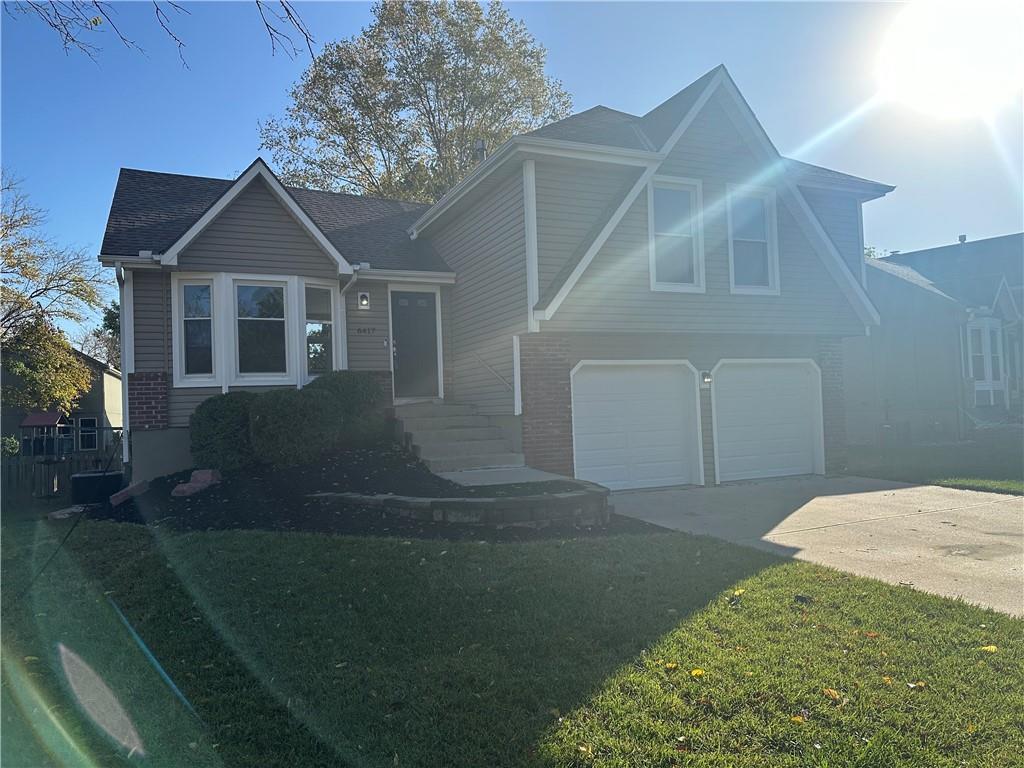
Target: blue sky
{"points": [[68, 124]]}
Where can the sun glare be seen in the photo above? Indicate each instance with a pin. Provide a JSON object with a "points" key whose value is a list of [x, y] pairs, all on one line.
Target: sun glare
{"points": [[954, 59]]}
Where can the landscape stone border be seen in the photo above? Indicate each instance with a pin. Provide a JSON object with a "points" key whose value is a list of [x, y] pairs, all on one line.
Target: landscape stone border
{"points": [[587, 506]]}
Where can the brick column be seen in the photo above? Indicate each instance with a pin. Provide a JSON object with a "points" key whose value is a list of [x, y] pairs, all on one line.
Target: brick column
{"points": [[147, 400], [830, 359], [547, 404]]}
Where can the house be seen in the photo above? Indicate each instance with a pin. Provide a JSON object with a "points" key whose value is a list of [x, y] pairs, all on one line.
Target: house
{"points": [[635, 300], [947, 355], [91, 429]]}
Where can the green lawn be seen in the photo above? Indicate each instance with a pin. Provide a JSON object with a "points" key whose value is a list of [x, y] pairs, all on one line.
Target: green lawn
{"points": [[308, 650], [993, 461]]}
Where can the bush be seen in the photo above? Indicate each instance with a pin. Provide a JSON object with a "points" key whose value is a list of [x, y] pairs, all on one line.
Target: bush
{"points": [[352, 393], [294, 426], [9, 446], [219, 430]]}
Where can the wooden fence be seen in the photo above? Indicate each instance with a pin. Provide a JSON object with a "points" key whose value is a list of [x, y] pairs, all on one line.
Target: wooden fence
{"points": [[48, 475]]}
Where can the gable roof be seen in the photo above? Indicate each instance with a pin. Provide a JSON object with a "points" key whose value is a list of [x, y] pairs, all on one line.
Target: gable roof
{"points": [[908, 275], [152, 211], [718, 80]]}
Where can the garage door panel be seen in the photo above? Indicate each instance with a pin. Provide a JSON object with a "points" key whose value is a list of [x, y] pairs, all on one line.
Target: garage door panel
{"points": [[635, 425], [766, 419]]}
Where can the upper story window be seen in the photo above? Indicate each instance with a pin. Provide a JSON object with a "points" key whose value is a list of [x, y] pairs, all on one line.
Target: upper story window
{"points": [[753, 240], [262, 328], [196, 329], [319, 330], [676, 235]]}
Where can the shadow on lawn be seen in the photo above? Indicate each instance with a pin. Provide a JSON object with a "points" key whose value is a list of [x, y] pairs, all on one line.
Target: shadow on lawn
{"points": [[301, 649]]}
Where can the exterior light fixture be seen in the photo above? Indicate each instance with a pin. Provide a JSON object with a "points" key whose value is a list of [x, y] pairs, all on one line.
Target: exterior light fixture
{"points": [[363, 300], [705, 379]]}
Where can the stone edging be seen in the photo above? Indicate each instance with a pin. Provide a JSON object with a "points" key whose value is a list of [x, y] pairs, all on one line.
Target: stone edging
{"points": [[587, 506]]}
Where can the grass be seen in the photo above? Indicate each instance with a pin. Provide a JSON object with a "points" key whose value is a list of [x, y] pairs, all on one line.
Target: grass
{"points": [[302, 649], [993, 461]]}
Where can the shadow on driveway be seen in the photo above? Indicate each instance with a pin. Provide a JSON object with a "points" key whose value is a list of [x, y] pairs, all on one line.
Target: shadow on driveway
{"points": [[947, 541]]}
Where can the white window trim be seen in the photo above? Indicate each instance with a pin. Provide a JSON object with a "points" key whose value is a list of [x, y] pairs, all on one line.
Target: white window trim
{"points": [[986, 325], [336, 325], [94, 430], [225, 329], [771, 222], [287, 284], [696, 190], [178, 282]]}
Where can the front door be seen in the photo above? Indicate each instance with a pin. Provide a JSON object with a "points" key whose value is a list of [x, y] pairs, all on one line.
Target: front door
{"points": [[414, 343]]}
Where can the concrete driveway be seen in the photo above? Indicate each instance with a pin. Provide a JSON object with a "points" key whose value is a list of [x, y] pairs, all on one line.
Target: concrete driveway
{"points": [[951, 542]]}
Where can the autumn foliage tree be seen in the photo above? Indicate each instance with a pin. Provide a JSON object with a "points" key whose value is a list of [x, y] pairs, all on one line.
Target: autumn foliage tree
{"points": [[43, 284], [396, 111]]}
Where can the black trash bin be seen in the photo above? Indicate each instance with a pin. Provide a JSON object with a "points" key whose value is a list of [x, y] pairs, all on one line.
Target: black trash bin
{"points": [[95, 486]]}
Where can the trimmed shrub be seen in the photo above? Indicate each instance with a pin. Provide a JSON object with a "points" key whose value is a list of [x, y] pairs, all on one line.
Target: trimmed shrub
{"points": [[219, 431], [293, 426], [358, 398]]}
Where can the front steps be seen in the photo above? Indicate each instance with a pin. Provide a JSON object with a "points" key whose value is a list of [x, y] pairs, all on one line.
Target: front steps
{"points": [[449, 437]]}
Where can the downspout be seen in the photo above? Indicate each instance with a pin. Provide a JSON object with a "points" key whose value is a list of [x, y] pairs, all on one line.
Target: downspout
{"points": [[126, 455]]}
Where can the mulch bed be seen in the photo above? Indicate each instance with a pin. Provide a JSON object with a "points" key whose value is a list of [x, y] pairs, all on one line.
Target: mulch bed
{"points": [[276, 500]]}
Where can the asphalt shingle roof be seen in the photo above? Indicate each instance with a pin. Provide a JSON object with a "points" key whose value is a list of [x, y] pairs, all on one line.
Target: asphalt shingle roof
{"points": [[610, 127], [151, 210], [907, 274]]}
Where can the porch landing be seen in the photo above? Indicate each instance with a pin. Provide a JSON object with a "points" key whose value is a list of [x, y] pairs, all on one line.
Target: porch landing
{"points": [[500, 476]]}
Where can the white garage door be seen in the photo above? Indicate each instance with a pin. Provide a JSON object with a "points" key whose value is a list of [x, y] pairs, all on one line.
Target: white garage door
{"points": [[635, 425], [767, 419]]}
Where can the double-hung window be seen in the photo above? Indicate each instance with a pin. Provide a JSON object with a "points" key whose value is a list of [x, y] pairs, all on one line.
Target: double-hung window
{"points": [[676, 236], [87, 434], [197, 327], [261, 329], [319, 330], [753, 240], [985, 357]]}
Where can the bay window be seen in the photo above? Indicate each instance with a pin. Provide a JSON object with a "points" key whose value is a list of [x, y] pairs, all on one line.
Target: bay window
{"points": [[985, 361], [240, 329], [261, 339], [676, 236], [753, 245]]}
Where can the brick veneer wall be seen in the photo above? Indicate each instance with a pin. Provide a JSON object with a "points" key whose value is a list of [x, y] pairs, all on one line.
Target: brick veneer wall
{"points": [[829, 358], [147, 400], [544, 367]]}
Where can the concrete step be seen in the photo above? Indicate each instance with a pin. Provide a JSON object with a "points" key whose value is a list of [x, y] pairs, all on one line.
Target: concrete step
{"points": [[424, 410], [455, 463], [460, 448], [431, 423], [427, 436]]}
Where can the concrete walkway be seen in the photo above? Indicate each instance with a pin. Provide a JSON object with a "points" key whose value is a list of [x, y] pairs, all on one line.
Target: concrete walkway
{"points": [[943, 540]]}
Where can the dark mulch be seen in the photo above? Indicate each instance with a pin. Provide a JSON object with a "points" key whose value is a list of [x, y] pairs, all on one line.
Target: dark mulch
{"points": [[277, 500]]}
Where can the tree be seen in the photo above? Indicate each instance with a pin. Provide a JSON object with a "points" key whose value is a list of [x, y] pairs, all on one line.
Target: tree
{"points": [[41, 370], [104, 341], [43, 283], [77, 21], [396, 111], [38, 275]]}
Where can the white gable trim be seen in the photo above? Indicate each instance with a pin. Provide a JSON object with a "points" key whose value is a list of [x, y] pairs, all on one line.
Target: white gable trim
{"points": [[260, 169], [791, 195], [627, 202]]}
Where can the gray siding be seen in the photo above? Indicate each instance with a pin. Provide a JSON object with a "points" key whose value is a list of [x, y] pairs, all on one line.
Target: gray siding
{"points": [[840, 216], [614, 293], [486, 247], [907, 373], [570, 198], [152, 316], [368, 342], [256, 234]]}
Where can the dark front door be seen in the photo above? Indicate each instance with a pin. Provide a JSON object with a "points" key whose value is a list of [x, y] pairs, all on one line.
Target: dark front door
{"points": [[414, 343]]}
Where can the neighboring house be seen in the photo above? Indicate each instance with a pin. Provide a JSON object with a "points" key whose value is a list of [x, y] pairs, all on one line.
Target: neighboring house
{"points": [[636, 300], [948, 353], [89, 429]]}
